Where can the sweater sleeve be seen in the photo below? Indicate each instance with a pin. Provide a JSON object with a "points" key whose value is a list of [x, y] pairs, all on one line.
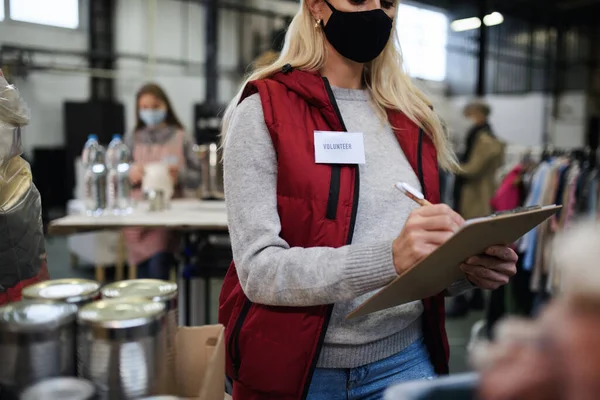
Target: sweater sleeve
{"points": [[270, 271]]}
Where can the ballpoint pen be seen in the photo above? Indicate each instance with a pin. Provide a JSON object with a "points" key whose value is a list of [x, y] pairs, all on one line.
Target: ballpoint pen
{"points": [[412, 193]]}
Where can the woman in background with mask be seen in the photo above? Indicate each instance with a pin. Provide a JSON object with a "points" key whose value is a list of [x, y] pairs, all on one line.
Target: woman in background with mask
{"points": [[158, 136], [316, 225]]}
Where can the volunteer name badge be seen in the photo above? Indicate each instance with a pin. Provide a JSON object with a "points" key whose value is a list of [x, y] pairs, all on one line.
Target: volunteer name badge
{"points": [[339, 148]]}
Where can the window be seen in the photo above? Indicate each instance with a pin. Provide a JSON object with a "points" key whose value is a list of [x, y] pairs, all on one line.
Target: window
{"points": [[61, 13], [1, 11], [423, 35]]}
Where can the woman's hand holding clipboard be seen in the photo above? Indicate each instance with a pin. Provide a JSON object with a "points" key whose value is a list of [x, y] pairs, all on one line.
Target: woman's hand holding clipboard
{"points": [[489, 270], [432, 274]]}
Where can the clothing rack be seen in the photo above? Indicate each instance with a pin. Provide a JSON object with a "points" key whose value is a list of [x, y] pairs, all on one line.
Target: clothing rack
{"points": [[568, 177], [581, 154]]}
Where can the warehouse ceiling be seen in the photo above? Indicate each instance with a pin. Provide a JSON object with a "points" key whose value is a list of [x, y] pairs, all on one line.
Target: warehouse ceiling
{"points": [[540, 11], [537, 11]]}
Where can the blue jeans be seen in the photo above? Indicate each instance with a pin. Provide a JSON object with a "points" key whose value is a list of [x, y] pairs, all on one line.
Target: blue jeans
{"points": [[369, 382], [156, 267]]}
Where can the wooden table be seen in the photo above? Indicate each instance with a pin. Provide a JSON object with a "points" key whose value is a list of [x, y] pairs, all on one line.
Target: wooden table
{"points": [[185, 215], [182, 215]]}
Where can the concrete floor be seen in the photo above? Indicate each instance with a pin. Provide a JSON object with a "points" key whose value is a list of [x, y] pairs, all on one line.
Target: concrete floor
{"points": [[59, 264]]}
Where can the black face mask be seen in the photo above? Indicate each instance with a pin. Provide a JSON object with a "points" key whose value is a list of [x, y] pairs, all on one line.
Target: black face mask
{"points": [[359, 36]]}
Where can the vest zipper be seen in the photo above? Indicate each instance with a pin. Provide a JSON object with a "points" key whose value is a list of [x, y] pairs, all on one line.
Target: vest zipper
{"points": [[336, 169], [355, 195], [234, 345], [420, 163], [334, 192]]}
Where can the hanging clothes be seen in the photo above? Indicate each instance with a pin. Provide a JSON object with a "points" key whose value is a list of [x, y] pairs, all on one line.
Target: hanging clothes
{"points": [[510, 194], [570, 182], [540, 255], [527, 244]]}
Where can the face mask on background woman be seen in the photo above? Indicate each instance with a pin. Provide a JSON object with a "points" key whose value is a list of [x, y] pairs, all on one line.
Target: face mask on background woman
{"points": [[359, 36], [153, 117]]}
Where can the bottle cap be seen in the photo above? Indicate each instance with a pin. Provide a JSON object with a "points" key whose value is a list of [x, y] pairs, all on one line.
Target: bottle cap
{"points": [[92, 136], [116, 136]]}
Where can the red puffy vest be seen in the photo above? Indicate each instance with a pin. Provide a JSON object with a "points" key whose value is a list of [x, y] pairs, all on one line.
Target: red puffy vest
{"points": [[272, 351]]}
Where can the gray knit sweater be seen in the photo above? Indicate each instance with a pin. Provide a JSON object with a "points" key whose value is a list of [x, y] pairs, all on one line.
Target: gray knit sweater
{"points": [[272, 273]]}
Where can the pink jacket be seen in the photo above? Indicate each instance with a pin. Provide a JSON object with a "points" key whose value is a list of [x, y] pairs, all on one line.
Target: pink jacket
{"points": [[152, 145], [508, 195]]}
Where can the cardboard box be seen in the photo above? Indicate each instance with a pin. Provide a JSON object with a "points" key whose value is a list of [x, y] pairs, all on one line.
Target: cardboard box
{"points": [[200, 355]]}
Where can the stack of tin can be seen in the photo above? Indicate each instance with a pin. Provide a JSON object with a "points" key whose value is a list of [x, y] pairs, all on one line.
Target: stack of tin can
{"points": [[73, 291], [159, 291], [122, 346], [36, 342], [61, 388]]}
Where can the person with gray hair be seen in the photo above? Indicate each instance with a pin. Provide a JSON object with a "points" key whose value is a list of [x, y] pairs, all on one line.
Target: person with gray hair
{"points": [[555, 356]]}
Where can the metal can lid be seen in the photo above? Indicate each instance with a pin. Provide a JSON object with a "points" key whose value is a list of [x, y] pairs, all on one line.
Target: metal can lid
{"points": [[160, 398], [33, 315], [69, 290], [121, 313], [60, 388], [153, 289]]}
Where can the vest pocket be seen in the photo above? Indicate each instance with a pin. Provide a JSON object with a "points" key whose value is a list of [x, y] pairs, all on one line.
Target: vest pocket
{"points": [[233, 347], [274, 367], [334, 192]]}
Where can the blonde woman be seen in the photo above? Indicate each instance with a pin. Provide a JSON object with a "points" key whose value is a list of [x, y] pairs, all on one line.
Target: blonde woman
{"points": [[313, 145]]}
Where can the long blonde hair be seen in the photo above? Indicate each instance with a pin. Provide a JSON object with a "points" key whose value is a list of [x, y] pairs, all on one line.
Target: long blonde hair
{"points": [[390, 87]]}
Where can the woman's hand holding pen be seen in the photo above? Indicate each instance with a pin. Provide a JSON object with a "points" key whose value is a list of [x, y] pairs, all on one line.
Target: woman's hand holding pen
{"points": [[425, 230], [430, 226]]}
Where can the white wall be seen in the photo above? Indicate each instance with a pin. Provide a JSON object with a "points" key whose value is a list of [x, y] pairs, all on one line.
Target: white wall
{"points": [[153, 28], [521, 119], [176, 30], [45, 92], [569, 129], [515, 119], [157, 29]]}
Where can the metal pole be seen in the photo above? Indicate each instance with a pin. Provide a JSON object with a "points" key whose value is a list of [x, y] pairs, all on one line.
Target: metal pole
{"points": [[101, 40], [548, 124], [212, 45], [530, 56], [559, 73], [483, 44]]}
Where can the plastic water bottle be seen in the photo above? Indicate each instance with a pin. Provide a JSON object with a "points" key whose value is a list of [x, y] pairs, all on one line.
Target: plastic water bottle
{"points": [[89, 148], [118, 157], [93, 158]]}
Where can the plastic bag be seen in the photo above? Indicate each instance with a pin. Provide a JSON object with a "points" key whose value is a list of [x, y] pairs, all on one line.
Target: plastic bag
{"points": [[14, 115], [22, 248]]}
